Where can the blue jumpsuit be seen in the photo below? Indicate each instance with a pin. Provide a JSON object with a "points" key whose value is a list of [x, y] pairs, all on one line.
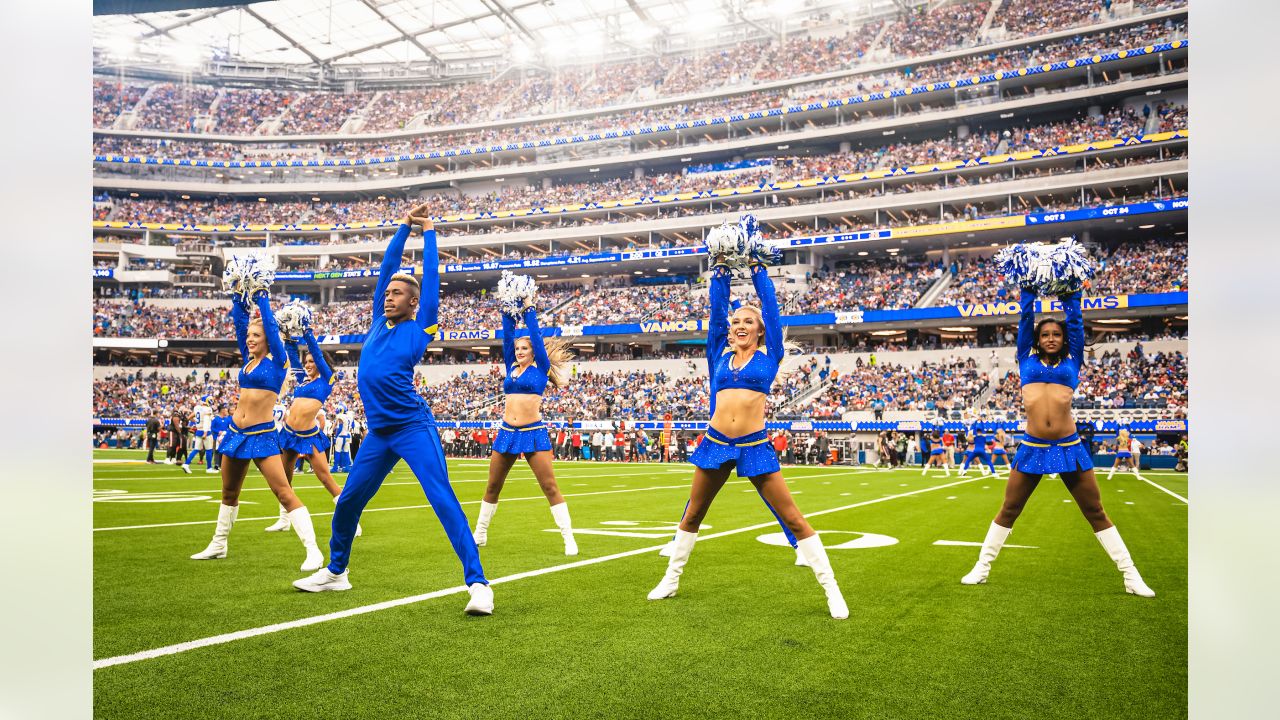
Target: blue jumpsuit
{"points": [[979, 451], [1037, 456], [401, 426]]}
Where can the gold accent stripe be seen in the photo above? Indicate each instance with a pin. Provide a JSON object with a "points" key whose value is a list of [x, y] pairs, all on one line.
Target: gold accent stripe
{"points": [[750, 444]]}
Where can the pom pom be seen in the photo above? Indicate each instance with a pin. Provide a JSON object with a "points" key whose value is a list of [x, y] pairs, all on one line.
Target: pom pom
{"points": [[515, 292], [294, 318], [741, 244], [249, 274], [1050, 270]]}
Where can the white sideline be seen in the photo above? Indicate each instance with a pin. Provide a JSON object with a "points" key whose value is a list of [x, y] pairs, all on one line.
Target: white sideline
{"points": [[303, 622], [404, 507], [1164, 489]]}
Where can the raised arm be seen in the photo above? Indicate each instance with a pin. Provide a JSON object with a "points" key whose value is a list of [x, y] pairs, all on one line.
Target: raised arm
{"points": [[240, 318], [508, 340], [272, 330], [313, 346], [1027, 324], [718, 327], [390, 266], [540, 357], [295, 360], [769, 311], [429, 302], [1075, 327]]}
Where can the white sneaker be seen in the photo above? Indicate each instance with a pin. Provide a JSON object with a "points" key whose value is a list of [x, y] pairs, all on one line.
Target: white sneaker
{"points": [[324, 580], [210, 470], [186, 468], [481, 599]]}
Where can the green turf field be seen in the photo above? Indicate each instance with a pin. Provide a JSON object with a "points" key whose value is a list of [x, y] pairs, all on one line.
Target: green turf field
{"points": [[1052, 634]]}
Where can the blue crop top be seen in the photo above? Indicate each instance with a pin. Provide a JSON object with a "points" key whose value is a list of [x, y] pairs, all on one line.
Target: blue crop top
{"points": [[391, 350], [533, 379], [1065, 371], [759, 372], [319, 388], [270, 372]]}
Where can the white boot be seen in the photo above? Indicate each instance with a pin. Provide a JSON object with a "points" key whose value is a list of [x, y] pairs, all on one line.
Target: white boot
{"points": [[281, 525], [218, 545], [359, 530], [481, 602], [996, 537], [1111, 542], [680, 552], [1112, 472], [481, 534], [813, 551], [800, 561], [667, 549], [560, 513], [301, 521]]}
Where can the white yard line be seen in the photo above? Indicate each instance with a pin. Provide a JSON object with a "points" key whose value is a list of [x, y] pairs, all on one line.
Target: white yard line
{"points": [[1164, 489], [408, 507], [459, 589]]}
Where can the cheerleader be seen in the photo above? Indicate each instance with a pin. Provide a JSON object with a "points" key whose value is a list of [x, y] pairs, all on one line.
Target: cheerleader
{"points": [[401, 427], [1049, 357], [303, 436], [743, 355], [998, 452], [251, 435], [937, 453], [1123, 453], [531, 362]]}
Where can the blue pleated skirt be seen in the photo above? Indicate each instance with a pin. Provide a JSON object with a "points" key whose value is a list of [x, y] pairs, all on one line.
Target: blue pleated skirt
{"points": [[529, 438], [751, 455], [305, 442], [1045, 457], [251, 443]]}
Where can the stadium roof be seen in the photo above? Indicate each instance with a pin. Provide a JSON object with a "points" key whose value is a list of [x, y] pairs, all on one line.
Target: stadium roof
{"points": [[326, 32]]}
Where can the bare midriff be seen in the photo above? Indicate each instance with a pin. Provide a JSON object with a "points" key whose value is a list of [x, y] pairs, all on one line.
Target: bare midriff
{"points": [[739, 412], [1048, 408]]}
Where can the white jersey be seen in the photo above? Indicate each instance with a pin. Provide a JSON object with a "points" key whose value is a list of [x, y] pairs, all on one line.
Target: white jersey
{"points": [[1135, 446], [345, 422], [278, 413], [203, 419]]}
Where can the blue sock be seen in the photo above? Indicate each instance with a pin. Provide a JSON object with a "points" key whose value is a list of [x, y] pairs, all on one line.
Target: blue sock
{"points": [[208, 458], [191, 456]]}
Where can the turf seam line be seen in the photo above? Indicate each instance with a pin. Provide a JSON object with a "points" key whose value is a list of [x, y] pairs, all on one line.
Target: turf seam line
{"points": [[387, 604]]}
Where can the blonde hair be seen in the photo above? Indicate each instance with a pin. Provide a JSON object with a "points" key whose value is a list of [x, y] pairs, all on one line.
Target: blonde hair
{"points": [[788, 347], [408, 279], [559, 354]]}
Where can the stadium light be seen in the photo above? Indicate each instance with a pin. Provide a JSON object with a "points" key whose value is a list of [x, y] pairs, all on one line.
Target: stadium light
{"points": [[521, 53], [186, 55]]}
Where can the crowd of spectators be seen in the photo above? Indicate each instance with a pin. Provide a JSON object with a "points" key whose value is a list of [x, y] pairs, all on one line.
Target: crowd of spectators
{"points": [[321, 112], [175, 108], [1119, 380], [1116, 122], [242, 111], [111, 98], [946, 385], [1148, 266], [892, 284], [923, 31]]}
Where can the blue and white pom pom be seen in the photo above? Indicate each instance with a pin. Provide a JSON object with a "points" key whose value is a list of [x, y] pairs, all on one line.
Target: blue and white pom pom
{"points": [[294, 318], [1050, 270], [515, 292], [249, 274]]}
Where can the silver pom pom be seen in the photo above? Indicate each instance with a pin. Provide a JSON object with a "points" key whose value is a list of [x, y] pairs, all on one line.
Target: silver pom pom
{"points": [[294, 318], [249, 274], [515, 292]]}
